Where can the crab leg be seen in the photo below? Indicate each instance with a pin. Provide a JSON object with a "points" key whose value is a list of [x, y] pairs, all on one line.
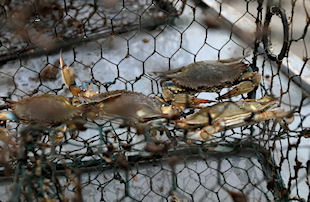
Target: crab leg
{"points": [[225, 124], [248, 82], [181, 99]]}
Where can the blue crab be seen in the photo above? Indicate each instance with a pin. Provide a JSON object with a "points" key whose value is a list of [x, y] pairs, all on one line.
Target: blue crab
{"points": [[46, 109], [229, 115], [128, 106], [208, 76]]}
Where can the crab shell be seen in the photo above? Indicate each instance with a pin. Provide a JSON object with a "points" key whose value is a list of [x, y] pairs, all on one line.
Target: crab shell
{"points": [[126, 105], [207, 75], [45, 109]]}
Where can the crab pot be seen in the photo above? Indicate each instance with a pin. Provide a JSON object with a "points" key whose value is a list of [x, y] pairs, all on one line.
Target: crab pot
{"points": [[114, 149]]}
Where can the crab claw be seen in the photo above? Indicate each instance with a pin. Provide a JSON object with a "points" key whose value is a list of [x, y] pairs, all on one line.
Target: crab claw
{"points": [[8, 116], [181, 123], [188, 100], [241, 88], [197, 101], [248, 82], [68, 77], [188, 123], [204, 133], [278, 113], [171, 112]]}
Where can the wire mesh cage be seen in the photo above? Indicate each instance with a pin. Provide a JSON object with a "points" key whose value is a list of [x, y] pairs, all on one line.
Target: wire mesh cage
{"points": [[154, 100]]}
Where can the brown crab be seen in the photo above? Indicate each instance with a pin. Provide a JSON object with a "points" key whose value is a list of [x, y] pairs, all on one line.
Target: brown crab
{"points": [[229, 114], [46, 109], [128, 106], [209, 76]]}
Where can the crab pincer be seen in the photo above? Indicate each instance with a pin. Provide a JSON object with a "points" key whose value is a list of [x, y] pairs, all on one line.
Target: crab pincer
{"points": [[68, 77]]}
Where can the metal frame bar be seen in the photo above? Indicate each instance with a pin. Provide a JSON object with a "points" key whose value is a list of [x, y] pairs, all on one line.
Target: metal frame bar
{"points": [[293, 66]]}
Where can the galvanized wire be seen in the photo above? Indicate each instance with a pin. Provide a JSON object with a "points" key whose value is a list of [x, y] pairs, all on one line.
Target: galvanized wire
{"points": [[115, 45]]}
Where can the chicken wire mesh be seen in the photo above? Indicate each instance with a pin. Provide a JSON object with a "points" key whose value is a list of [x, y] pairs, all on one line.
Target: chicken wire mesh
{"points": [[115, 45]]}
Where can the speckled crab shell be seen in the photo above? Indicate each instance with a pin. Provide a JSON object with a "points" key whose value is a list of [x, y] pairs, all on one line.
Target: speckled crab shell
{"points": [[126, 104], [208, 75], [45, 109]]}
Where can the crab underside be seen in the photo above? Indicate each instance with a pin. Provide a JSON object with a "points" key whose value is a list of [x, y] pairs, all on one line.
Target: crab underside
{"points": [[228, 115]]}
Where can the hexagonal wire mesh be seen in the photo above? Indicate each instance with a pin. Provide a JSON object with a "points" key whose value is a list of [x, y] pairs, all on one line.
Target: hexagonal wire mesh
{"points": [[115, 45]]}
